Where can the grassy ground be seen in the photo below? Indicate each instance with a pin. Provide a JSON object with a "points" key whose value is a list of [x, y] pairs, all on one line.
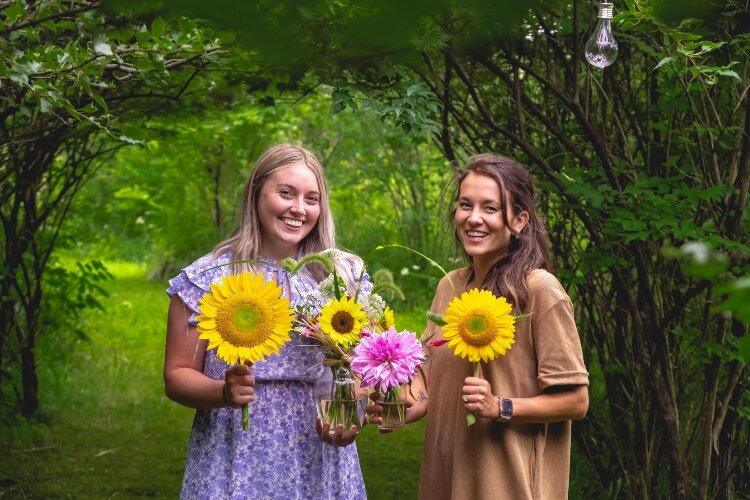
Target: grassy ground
{"points": [[106, 430]]}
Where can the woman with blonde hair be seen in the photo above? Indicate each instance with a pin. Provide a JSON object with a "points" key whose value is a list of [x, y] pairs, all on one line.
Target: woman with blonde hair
{"points": [[285, 213]]}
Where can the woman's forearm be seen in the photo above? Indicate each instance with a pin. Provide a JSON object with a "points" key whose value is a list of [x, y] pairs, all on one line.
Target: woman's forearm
{"points": [[418, 399], [556, 406], [193, 389]]}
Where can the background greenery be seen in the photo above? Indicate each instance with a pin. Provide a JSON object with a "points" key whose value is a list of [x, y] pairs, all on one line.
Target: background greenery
{"points": [[127, 131]]}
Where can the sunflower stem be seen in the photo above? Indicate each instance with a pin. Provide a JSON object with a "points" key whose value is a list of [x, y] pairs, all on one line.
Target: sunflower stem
{"points": [[476, 369], [245, 417], [336, 289], [396, 245]]}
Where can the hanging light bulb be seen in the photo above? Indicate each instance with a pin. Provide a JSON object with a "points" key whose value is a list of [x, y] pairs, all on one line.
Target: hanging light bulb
{"points": [[601, 48]]}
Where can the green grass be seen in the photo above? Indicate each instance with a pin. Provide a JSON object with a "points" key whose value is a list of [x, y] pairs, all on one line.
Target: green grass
{"points": [[106, 430]]}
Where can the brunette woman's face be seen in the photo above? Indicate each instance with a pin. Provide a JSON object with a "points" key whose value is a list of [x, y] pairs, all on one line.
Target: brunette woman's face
{"points": [[288, 208], [479, 219]]}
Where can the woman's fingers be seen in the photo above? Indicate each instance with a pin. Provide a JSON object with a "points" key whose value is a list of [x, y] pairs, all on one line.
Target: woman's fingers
{"points": [[477, 397], [239, 386], [336, 437]]}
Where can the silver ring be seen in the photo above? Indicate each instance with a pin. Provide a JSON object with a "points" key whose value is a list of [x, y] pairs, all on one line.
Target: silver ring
{"points": [[466, 399]]}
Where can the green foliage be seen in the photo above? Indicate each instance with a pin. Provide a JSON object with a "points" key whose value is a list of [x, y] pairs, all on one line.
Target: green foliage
{"points": [[174, 199], [71, 290], [647, 154], [75, 87]]}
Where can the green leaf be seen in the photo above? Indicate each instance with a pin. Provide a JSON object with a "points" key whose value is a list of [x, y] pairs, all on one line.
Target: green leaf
{"points": [[664, 61], [102, 47], [738, 299], [44, 105], [134, 132], [436, 318], [157, 27], [142, 37], [743, 347], [14, 11], [730, 73]]}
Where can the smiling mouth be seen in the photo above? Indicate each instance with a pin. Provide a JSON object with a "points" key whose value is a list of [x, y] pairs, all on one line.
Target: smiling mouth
{"points": [[476, 234], [291, 222]]}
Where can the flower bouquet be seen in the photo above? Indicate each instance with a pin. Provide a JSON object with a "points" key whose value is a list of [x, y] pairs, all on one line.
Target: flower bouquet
{"points": [[478, 325], [338, 319], [387, 362]]}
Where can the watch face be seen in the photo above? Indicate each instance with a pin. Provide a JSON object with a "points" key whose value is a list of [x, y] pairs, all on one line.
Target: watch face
{"points": [[506, 406]]}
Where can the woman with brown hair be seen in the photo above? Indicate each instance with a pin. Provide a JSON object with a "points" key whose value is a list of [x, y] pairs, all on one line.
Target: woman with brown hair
{"points": [[524, 401]]}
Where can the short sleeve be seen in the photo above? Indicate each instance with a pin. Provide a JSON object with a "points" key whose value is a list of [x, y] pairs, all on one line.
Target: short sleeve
{"points": [[557, 345], [195, 280]]}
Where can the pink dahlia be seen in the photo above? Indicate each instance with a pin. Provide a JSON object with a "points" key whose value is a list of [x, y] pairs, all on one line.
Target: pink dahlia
{"points": [[387, 360]]}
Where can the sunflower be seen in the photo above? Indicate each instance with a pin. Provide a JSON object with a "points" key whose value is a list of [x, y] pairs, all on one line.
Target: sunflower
{"points": [[244, 319], [479, 325], [342, 320], [386, 320]]}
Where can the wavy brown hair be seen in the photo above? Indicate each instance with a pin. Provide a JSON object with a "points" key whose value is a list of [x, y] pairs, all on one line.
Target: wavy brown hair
{"points": [[529, 248]]}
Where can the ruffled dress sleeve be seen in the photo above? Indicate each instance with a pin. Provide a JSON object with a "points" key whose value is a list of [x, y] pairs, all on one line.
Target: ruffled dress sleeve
{"points": [[195, 280]]}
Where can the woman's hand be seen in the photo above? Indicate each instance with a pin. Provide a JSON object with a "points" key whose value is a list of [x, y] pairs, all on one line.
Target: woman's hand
{"points": [[478, 398], [373, 412], [337, 437], [239, 386]]}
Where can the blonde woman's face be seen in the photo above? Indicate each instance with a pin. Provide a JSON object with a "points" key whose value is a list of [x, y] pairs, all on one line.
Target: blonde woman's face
{"points": [[288, 209]]}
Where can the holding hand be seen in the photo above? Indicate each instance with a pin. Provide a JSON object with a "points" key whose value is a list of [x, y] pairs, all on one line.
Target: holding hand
{"points": [[336, 437], [239, 386], [478, 398], [373, 412]]}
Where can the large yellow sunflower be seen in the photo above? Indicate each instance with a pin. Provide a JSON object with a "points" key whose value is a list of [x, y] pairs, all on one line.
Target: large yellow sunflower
{"points": [[342, 320], [479, 326], [244, 318]]}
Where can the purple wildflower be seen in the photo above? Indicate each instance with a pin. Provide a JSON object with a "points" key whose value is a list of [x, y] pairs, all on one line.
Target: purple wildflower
{"points": [[387, 360]]}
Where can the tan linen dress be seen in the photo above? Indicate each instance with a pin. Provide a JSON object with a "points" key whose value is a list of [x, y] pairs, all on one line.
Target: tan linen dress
{"points": [[491, 460]]}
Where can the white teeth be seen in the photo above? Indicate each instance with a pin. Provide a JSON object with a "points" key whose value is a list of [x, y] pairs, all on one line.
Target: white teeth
{"points": [[476, 234], [292, 222]]}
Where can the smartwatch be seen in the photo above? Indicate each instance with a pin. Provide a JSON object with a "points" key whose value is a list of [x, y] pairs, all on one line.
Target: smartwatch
{"points": [[506, 410]]}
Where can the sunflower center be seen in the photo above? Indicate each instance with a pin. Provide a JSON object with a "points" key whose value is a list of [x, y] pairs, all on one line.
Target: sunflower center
{"points": [[476, 329], [342, 322], [244, 320], [476, 324], [246, 317]]}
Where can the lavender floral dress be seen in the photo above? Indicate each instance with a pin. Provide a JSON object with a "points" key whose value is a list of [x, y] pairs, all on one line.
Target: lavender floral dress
{"points": [[281, 456]]}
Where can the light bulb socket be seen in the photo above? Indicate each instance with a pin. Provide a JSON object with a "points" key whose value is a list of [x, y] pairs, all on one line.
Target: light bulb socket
{"points": [[605, 10]]}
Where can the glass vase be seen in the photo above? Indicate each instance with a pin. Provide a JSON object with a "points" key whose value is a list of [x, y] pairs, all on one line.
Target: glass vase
{"points": [[393, 404], [341, 405]]}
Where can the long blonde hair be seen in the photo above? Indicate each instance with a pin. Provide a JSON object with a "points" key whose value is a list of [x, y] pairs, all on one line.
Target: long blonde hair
{"points": [[244, 243]]}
